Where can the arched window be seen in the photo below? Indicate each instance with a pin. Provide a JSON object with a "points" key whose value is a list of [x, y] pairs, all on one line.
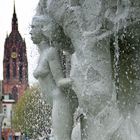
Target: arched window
{"points": [[14, 69], [21, 55], [8, 71], [20, 73]]}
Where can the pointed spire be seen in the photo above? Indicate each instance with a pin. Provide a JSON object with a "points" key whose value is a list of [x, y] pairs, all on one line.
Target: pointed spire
{"points": [[14, 8], [14, 12], [14, 19]]}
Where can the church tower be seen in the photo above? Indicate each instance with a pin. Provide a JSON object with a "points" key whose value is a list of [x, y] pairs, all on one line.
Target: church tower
{"points": [[15, 65]]}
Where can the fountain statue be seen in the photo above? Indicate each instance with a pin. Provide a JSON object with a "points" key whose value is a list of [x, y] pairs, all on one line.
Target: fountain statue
{"points": [[51, 77], [101, 39]]}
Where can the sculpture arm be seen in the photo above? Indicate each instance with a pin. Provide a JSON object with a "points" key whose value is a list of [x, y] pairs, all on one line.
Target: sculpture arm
{"points": [[65, 83], [55, 65]]}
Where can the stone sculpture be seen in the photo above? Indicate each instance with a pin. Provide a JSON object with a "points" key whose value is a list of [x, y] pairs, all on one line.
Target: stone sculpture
{"points": [[49, 73], [105, 64]]}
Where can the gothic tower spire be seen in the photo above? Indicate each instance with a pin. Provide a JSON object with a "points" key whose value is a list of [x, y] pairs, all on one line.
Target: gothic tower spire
{"points": [[15, 65], [14, 7], [14, 19]]}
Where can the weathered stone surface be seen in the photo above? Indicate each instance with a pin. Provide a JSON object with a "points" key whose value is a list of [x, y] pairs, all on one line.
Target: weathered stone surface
{"points": [[102, 38]]}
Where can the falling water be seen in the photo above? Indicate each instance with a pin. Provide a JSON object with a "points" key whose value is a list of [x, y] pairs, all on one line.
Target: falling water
{"points": [[116, 59], [116, 52]]}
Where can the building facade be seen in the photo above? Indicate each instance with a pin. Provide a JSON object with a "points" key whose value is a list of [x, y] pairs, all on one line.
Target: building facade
{"points": [[15, 75], [15, 65]]}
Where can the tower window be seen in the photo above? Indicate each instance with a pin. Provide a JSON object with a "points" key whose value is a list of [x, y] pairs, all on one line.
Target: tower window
{"points": [[21, 55], [8, 71], [14, 69], [20, 73]]}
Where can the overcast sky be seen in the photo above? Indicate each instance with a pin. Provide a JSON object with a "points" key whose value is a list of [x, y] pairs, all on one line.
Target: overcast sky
{"points": [[25, 9]]}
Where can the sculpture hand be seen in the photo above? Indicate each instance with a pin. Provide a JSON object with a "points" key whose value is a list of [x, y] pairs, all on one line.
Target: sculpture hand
{"points": [[65, 82]]}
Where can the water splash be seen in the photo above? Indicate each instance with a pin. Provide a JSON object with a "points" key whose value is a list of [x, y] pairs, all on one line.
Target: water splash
{"points": [[116, 59]]}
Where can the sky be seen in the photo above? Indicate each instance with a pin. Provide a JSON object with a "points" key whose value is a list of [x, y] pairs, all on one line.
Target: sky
{"points": [[25, 9]]}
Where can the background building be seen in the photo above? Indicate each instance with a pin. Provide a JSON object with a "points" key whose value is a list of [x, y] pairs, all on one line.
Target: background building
{"points": [[15, 65], [15, 74]]}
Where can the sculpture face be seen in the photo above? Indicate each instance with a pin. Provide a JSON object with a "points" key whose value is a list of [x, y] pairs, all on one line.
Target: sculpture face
{"points": [[36, 33]]}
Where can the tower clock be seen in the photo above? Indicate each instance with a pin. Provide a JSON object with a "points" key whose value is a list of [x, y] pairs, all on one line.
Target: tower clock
{"points": [[14, 55]]}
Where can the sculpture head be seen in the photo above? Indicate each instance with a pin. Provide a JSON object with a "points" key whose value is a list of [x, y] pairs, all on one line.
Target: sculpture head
{"points": [[51, 29], [37, 26], [43, 27], [36, 33], [54, 32]]}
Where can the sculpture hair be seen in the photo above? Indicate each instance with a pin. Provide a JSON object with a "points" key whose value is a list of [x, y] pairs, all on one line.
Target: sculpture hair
{"points": [[42, 7]]}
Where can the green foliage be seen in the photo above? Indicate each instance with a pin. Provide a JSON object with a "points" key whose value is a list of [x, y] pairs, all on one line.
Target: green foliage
{"points": [[31, 114]]}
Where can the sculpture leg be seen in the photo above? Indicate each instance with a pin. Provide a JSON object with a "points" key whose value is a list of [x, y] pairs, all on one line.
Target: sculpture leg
{"points": [[62, 117], [96, 93], [87, 129]]}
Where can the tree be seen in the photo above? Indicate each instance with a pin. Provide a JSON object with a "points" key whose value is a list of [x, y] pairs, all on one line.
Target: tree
{"points": [[32, 114]]}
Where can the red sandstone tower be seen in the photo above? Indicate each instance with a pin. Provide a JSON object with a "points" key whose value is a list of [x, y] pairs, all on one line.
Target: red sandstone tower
{"points": [[15, 65]]}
